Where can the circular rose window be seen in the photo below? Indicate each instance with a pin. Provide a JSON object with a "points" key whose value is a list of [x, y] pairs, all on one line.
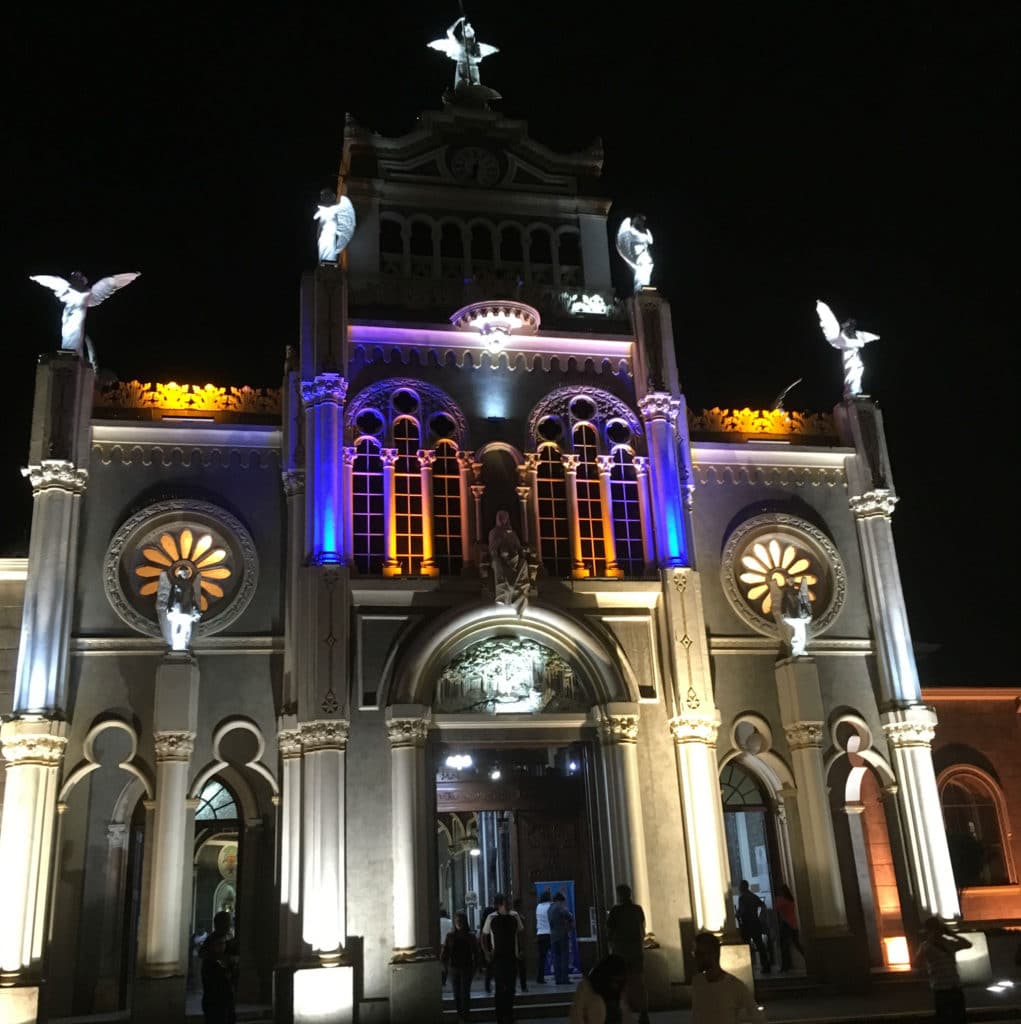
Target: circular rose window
{"points": [[788, 551], [191, 540]]}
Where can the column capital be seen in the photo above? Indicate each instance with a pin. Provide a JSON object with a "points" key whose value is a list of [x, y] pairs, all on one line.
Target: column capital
{"points": [[659, 405], [605, 464], [326, 387], [524, 492], [293, 481], [531, 463], [348, 454], [56, 474], [618, 723], [407, 725], [324, 735], [695, 728], [33, 741], [465, 460], [804, 734], [426, 457], [174, 746], [909, 727], [872, 504], [641, 464], [569, 460], [388, 457], [478, 490], [289, 742]]}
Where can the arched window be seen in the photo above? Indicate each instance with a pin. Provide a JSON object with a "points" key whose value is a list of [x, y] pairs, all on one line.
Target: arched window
{"points": [[216, 803], [973, 816], [554, 543], [626, 510], [590, 505], [750, 831], [367, 506], [407, 495], [447, 509]]}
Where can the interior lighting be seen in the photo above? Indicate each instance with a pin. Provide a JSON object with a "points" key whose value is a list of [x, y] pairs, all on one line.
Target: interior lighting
{"points": [[573, 766], [495, 774], [896, 953], [475, 851], [459, 761]]}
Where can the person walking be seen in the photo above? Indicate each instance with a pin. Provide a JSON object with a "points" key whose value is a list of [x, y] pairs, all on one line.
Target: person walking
{"points": [[488, 968], [445, 926], [749, 907], [625, 929], [219, 972], [542, 939], [716, 996], [938, 952], [787, 913], [519, 912], [461, 958], [500, 939], [561, 921], [600, 997]]}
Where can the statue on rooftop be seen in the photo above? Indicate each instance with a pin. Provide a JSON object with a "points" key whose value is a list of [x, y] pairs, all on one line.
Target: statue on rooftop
{"points": [[792, 610], [178, 596], [634, 241], [509, 563], [78, 296], [336, 218], [849, 341], [467, 53]]}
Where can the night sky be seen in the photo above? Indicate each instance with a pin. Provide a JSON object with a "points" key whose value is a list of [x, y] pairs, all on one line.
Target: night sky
{"points": [[860, 153]]}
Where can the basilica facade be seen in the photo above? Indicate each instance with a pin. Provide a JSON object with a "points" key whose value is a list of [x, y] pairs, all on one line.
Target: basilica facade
{"points": [[470, 602]]}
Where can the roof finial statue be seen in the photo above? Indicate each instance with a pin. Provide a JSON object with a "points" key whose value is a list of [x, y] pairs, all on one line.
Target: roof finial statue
{"points": [[468, 53], [78, 295], [336, 218], [634, 240], [792, 609], [848, 340], [178, 596]]}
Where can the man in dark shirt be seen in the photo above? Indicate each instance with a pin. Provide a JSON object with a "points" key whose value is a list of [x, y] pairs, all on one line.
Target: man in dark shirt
{"points": [[561, 921], [748, 907], [625, 928], [500, 938]]}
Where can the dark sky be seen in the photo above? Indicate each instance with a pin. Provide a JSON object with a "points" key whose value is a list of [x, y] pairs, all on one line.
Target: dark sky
{"points": [[857, 152]]}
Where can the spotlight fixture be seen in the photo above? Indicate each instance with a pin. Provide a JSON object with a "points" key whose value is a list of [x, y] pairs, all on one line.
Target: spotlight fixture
{"points": [[495, 774]]}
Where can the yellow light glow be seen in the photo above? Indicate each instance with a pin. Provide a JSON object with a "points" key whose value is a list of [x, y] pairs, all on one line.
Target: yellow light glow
{"points": [[785, 565], [896, 953], [761, 421], [135, 394], [196, 554]]}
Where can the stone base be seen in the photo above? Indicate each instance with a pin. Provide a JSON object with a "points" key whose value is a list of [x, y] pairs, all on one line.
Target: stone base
{"points": [[840, 960], [737, 960], [324, 995], [158, 1000], [19, 1004], [973, 965], [415, 993]]}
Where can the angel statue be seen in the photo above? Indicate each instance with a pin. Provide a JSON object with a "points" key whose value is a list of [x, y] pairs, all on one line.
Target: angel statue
{"points": [[848, 340], [177, 604], [78, 295], [792, 609], [336, 216], [468, 53], [508, 559], [633, 242]]}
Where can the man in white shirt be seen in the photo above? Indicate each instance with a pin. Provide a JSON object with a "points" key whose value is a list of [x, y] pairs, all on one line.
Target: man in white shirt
{"points": [[542, 939], [716, 996]]}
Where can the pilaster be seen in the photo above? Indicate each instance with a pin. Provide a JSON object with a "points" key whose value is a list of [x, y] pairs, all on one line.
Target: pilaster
{"points": [[659, 411], [325, 502]]}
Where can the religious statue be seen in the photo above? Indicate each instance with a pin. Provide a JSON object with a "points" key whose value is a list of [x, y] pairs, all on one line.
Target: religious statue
{"points": [[177, 604], [509, 563], [848, 340], [78, 295], [633, 243], [468, 53], [792, 609], [336, 218]]}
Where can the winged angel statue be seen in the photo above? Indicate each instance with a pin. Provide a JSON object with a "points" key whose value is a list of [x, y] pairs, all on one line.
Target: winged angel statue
{"points": [[468, 53], [849, 341], [178, 595], [336, 216], [78, 296], [634, 240]]}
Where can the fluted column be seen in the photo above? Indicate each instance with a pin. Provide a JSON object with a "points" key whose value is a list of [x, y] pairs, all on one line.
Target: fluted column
{"points": [[605, 464], [570, 463], [289, 835], [391, 567], [464, 461], [426, 458], [659, 411], [524, 492], [705, 841], [324, 903], [909, 732], [618, 732], [407, 727], [323, 399], [641, 463], [531, 477], [33, 750]]}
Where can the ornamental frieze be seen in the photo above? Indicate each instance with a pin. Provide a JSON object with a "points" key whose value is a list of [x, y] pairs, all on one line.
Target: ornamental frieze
{"points": [[134, 394], [768, 476], [186, 455], [761, 421], [174, 746], [873, 503]]}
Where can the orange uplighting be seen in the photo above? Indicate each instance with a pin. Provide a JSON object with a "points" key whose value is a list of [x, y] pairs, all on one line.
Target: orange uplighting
{"points": [[896, 953]]}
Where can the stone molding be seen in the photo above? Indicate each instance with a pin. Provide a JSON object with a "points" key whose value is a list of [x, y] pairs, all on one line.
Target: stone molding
{"points": [[659, 405], [207, 456], [323, 735], [289, 742], [695, 728], [804, 734], [33, 743], [56, 474], [293, 481], [174, 746], [618, 728], [910, 727], [407, 732], [327, 387], [768, 476], [871, 504]]}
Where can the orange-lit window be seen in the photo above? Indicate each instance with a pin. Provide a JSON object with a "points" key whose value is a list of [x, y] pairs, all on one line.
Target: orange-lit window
{"points": [[407, 496], [367, 499], [590, 505], [447, 509], [627, 519], [554, 543]]}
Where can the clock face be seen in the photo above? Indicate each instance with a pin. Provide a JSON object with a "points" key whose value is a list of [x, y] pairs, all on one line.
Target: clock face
{"points": [[475, 165]]}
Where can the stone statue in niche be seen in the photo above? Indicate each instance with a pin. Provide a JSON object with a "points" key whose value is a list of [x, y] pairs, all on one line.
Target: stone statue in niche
{"points": [[508, 560], [336, 217], [848, 341], [177, 604], [634, 243], [792, 609]]}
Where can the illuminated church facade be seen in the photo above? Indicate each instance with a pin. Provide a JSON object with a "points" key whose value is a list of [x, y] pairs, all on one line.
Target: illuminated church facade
{"points": [[387, 704]]}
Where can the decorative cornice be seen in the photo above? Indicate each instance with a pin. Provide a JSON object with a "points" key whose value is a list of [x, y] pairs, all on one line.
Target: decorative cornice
{"points": [[761, 421], [293, 481], [327, 387], [659, 405], [56, 474], [618, 728], [28, 748], [695, 728], [880, 502], [323, 735], [133, 394], [174, 746], [204, 454], [803, 734], [407, 732], [910, 727], [752, 475], [289, 742]]}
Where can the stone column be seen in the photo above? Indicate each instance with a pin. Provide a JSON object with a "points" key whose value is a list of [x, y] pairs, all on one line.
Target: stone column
{"points": [[659, 411], [289, 837], [605, 463], [426, 458], [618, 732], [324, 903], [477, 491], [801, 713], [391, 567], [323, 399], [464, 461], [531, 477], [909, 732], [705, 841], [570, 463]]}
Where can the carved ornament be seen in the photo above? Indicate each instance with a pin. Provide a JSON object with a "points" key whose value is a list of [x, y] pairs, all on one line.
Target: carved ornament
{"points": [[327, 387], [659, 405], [320, 735], [289, 742], [695, 728], [43, 749], [619, 728], [914, 728], [293, 481], [134, 394], [407, 732], [558, 404], [769, 476], [56, 474], [761, 421], [174, 746], [873, 503], [803, 734], [431, 400]]}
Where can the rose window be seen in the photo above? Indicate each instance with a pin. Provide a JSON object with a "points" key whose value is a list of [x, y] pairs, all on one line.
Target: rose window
{"points": [[784, 564], [185, 555]]}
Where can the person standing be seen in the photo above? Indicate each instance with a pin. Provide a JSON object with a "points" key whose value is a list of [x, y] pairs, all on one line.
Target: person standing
{"points": [[939, 951], [749, 907], [625, 929], [500, 939], [219, 972], [542, 939], [461, 958], [445, 926], [716, 996], [519, 912], [787, 913], [488, 969], [561, 921], [600, 997]]}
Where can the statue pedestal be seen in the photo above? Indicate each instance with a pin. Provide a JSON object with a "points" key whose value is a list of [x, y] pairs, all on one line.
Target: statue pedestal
{"points": [[324, 995], [158, 1000], [177, 693], [19, 1004]]}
